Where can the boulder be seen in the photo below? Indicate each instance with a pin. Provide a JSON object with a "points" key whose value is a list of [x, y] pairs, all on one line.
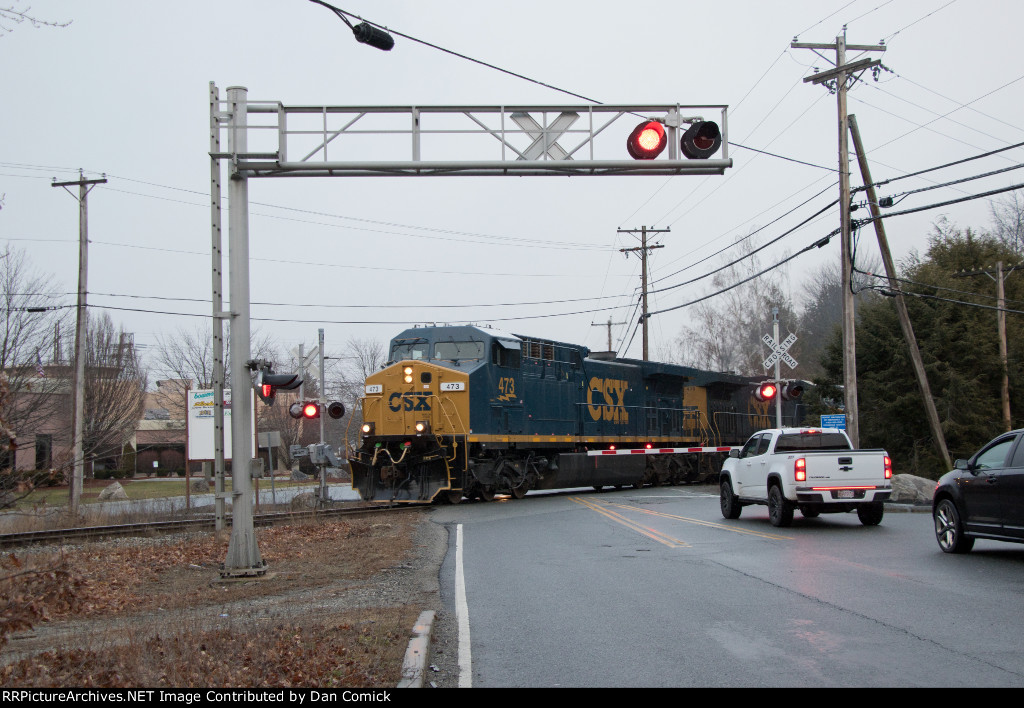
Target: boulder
{"points": [[200, 486], [911, 489], [304, 501], [113, 492]]}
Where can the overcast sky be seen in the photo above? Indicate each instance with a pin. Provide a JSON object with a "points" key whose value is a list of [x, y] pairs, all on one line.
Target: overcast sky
{"points": [[123, 90]]}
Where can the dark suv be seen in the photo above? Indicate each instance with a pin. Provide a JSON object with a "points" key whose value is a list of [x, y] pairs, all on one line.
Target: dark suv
{"points": [[982, 497]]}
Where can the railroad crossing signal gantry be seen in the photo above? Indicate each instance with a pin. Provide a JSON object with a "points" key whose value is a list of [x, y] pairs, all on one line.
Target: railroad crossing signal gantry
{"points": [[270, 139]]}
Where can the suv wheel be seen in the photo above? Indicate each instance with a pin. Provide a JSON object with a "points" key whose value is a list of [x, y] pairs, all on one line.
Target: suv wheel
{"points": [[949, 532]]}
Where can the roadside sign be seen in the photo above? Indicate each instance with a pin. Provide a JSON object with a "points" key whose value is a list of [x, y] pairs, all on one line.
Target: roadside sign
{"points": [[835, 420]]}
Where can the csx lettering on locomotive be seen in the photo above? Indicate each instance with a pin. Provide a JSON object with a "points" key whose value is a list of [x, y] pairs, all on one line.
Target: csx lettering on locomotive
{"points": [[409, 402], [614, 394]]}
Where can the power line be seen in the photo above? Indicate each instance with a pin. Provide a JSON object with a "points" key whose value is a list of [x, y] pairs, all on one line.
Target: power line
{"points": [[468, 58], [928, 285], [882, 183], [925, 17], [817, 244], [748, 236], [823, 241]]}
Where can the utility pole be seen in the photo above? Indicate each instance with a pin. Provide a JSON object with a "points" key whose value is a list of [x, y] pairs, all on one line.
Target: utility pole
{"points": [[609, 325], [999, 275], [78, 416], [836, 80], [901, 306], [643, 248]]}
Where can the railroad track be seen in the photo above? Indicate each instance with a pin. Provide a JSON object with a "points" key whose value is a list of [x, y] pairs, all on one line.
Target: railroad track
{"points": [[27, 538]]}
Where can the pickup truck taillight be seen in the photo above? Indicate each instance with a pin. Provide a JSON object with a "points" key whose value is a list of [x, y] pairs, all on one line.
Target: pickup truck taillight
{"points": [[887, 463], [800, 469]]}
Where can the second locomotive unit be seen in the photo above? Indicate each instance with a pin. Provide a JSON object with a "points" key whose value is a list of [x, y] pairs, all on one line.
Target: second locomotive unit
{"points": [[461, 411]]}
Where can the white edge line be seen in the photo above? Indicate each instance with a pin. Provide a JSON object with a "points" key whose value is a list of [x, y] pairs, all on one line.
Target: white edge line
{"points": [[462, 612]]}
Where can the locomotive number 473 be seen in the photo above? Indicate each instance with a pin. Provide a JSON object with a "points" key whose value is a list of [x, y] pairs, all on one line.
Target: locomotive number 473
{"points": [[507, 388]]}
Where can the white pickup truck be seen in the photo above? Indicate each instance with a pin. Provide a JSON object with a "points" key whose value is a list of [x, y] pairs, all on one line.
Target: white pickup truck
{"points": [[815, 470]]}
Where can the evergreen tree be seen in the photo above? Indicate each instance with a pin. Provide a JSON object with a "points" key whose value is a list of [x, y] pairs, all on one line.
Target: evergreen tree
{"points": [[959, 345]]}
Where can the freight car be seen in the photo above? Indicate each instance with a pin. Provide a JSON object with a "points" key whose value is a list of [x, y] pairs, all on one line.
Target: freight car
{"points": [[462, 411]]}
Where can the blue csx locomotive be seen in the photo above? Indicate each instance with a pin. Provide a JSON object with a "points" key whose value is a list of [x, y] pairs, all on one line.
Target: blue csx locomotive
{"points": [[460, 411]]}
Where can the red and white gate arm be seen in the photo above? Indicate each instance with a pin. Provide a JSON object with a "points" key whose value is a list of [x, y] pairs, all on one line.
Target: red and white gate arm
{"points": [[662, 450]]}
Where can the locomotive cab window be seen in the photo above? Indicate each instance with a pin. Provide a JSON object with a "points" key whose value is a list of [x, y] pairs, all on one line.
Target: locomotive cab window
{"points": [[411, 350], [506, 353], [459, 351]]}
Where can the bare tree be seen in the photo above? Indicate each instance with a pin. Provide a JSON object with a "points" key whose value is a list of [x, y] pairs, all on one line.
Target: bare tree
{"points": [[186, 359], [362, 357], [115, 388], [29, 326], [1008, 221], [727, 330], [10, 16]]}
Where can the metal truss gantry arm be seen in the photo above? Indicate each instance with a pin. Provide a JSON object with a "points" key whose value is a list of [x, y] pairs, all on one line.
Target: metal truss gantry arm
{"points": [[316, 141]]}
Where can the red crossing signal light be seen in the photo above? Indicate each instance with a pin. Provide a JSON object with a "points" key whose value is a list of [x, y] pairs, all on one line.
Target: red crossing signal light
{"points": [[766, 391], [647, 140]]}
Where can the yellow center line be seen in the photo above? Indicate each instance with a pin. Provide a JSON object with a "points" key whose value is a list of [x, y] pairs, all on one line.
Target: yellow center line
{"points": [[644, 530], [699, 522]]}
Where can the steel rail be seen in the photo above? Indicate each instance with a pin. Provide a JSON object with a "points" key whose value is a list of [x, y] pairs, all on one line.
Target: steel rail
{"points": [[26, 538]]}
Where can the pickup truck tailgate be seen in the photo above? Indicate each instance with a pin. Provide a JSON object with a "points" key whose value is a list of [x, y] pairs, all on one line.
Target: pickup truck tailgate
{"points": [[843, 476]]}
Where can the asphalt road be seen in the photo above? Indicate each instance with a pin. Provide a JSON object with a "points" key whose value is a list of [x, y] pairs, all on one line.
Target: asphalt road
{"points": [[653, 588]]}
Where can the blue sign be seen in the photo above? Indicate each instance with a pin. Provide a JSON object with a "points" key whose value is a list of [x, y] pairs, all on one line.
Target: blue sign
{"points": [[836, 420]]}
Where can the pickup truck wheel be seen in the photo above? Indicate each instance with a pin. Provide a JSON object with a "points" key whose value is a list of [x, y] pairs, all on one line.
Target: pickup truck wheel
{"points": [[871, 514], [809, 513], [780, 509], [731, 508], [949, 532]]}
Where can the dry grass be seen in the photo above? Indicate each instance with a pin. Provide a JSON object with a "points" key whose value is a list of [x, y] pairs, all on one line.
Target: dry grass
{"points": [[337, 611]]}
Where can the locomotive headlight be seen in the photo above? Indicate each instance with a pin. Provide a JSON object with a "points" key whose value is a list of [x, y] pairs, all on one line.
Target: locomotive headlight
{"points": [[422, 426], [407, 371], [367, 428]]}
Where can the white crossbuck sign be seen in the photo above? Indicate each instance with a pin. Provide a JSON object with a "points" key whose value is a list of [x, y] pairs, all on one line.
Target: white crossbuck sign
{"points": [[779, 351]]}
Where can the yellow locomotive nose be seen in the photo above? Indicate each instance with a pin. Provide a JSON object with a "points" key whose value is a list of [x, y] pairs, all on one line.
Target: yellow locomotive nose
{"points": [[418, 398]]}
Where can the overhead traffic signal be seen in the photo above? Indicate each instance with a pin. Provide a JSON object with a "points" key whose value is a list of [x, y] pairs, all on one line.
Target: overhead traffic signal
{"points": [[267, 384], [700, 140], [310, 410], [765, 391]]}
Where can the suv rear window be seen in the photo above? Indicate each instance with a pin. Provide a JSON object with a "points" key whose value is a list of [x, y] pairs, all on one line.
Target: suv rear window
{"points": [[811, 441]]}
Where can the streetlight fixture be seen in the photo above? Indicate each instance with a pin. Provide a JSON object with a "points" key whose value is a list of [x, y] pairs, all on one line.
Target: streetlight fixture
{"points": [[364, 32]]}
